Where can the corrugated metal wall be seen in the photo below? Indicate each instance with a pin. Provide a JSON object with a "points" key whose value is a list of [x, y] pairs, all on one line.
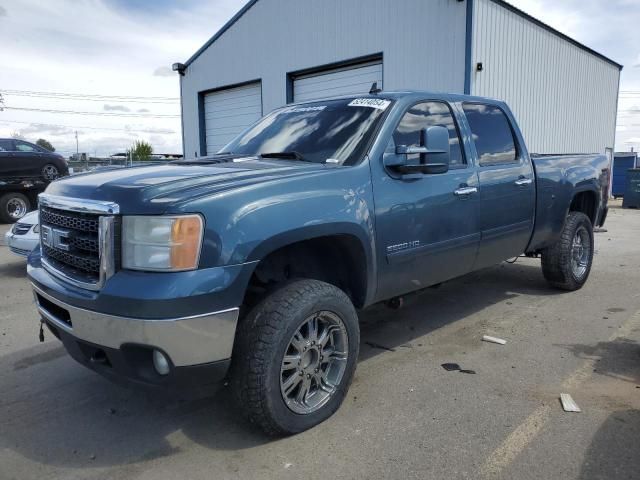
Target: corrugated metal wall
{"points": [[422, 43], [564, 97], [344, 81]]}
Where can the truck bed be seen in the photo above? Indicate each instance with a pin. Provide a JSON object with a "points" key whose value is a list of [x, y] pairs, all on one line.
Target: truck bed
{"points": [[558, 178]]}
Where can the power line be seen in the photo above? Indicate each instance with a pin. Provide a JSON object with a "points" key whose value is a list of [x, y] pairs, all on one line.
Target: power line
{"points": [[90, 96], [121, 100], [91, 128], [99, 114]]}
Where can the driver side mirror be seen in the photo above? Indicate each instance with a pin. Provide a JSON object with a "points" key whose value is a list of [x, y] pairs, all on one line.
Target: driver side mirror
{"points": [[434, 151]]}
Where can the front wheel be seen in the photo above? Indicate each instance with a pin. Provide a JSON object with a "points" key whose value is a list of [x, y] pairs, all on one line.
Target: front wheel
{"points": [[295, 356], [567, 263]]}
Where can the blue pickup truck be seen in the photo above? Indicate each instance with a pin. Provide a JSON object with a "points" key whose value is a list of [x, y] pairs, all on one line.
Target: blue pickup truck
{"points": [[251, 264]]}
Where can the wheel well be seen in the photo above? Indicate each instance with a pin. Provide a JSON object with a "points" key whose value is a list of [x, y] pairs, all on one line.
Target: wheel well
{"points": [[337, 259], [585, 202]]}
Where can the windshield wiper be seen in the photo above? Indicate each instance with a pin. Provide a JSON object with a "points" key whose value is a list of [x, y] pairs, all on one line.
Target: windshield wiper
{"points": [[293, 155]]}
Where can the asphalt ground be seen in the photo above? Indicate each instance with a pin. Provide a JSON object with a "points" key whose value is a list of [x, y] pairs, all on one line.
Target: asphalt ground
{"points": [[404, 417]]}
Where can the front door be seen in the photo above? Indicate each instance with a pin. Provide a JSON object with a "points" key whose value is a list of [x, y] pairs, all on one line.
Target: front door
{"points": [[426, 227], [507, 187]]}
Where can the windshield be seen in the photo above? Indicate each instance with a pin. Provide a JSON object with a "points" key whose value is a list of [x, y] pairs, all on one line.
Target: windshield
{"points": [[334, 131]]}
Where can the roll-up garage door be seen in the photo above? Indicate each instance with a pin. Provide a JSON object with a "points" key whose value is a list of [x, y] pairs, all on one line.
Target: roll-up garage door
{"points": [[340, 81], [228, 112]]}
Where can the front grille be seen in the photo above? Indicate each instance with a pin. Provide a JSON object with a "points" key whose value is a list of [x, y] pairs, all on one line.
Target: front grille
{"points": [[84, 263], [82, 222], [21, 228], [70, 243]]}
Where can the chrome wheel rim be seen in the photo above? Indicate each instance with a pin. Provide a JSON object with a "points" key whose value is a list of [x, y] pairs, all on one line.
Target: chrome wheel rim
{"points": [[50, 172], [580, 252], [314, 362], [16, 208]]}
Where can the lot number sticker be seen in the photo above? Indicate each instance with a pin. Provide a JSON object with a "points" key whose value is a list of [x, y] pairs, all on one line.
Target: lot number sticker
{"points": [[377, 103]]}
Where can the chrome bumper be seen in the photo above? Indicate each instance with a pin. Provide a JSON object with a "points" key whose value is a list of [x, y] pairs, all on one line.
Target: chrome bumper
{"points": [[187, 341]]}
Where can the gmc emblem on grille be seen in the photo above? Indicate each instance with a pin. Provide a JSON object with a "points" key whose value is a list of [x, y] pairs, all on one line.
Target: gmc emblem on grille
{"points": [[55, 237]]}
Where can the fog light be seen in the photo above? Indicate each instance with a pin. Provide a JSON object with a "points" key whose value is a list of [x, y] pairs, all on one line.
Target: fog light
{"points": [[160, 362]]}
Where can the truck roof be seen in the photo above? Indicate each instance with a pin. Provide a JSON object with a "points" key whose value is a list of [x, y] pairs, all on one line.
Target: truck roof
{"points": [[413, 95]]}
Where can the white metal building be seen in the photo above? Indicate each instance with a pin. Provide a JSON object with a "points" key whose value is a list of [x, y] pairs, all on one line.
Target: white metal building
{"points": [[274, 52]]}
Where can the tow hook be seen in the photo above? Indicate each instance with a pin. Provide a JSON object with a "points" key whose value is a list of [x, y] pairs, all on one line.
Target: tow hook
{"points": [[395, 303], [41, 334]]}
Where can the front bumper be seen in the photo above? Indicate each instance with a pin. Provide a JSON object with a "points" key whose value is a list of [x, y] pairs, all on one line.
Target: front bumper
{"points": [[21, 245], [122, 346]]}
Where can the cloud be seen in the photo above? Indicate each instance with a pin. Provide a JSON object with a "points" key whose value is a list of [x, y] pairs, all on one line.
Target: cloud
{"points": [[150, 130], [73, 42], [35, 130], [3, 11], [116, 108], [163, 72], [143, 110]]}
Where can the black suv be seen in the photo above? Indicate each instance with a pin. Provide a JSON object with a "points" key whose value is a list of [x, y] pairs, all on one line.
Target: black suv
{"points": [[20, 159]]}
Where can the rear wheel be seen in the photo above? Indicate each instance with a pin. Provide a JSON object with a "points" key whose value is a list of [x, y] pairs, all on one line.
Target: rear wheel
{"points": [[295, 356], [50, 172], [13, 206], [567, 264]]}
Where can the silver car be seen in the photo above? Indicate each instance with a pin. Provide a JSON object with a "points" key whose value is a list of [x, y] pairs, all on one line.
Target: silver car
{"points": [[24, 236]]}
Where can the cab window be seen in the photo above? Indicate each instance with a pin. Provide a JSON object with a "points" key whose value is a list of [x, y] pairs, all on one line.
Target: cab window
{"points": [[491, 133], [425, 115]]}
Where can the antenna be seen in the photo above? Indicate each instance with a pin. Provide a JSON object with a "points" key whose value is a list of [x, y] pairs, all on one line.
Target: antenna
{"points": [[374, 89]]}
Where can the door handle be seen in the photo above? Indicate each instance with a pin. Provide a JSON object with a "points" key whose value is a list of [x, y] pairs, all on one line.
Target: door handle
{"points": [[524, 181], [465, 191]]}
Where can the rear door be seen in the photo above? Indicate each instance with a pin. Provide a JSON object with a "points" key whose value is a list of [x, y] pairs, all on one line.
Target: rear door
{"points": [[507, 187], [8, 164], [426, 227]]}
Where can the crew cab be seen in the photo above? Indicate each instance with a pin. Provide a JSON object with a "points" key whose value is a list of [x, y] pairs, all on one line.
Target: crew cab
{"points": [[252, 264]]}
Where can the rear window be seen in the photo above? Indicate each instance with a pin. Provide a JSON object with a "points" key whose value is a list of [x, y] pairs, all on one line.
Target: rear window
{"points": [[491, 134], [6, 145]]}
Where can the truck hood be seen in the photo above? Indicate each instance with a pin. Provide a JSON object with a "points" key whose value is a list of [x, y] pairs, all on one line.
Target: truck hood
{"points": [[156, 188]]}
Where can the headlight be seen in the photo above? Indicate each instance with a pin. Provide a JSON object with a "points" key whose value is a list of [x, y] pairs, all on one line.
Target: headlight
{"points": [[36, 228], [161, 243]]}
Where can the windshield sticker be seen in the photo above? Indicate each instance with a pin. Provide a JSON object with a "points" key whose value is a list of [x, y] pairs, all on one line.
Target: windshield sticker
{"points": [[378, 103], [317, 108]]}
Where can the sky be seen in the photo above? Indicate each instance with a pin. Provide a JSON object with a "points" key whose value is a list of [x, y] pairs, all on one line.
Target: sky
{"points": [[111, 61]]}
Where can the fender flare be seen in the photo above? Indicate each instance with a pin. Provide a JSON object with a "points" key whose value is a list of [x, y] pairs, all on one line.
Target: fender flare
{"points": [[309, 232]]}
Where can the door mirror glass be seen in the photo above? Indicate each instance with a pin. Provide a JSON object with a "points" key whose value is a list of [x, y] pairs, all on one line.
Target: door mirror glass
{"points": [[438, 151], [434, 154]]}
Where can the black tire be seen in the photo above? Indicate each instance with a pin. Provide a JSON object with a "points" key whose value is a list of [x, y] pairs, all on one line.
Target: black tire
{"points": [[261, 342], [9, 203], [557, 265], [50, 172]]}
